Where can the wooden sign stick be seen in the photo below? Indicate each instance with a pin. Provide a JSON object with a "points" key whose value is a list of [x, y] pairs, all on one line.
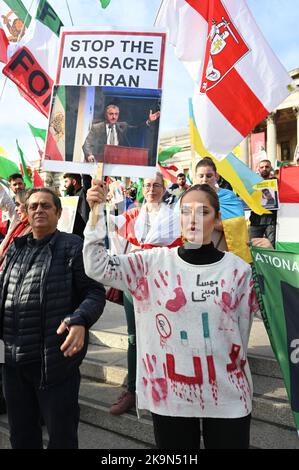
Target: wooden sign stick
{"points": [[95, 209]]}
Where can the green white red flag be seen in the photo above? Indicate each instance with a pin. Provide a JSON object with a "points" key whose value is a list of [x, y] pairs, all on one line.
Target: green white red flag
{"points": [[37, 132], [31, 60], [55, 146], [15, 20], [26, 177]]}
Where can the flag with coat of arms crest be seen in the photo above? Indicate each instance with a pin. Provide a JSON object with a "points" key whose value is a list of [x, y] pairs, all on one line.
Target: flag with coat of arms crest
{"points": [[238, 79]]}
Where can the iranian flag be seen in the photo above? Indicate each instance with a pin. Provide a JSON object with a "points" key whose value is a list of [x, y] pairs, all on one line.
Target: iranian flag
{"points": [[238, 79], [168, 171], [24, 170], [55, 146], [38, 134], [15, 20], [32, 59]]}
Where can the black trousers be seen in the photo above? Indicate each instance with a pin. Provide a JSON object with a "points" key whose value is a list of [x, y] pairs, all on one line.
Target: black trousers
{"points": [[132, 351], [26, 403], [173, 432]]}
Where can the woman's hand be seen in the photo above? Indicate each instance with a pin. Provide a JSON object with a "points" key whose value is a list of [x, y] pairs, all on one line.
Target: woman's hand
{"points": [[97, 194]]}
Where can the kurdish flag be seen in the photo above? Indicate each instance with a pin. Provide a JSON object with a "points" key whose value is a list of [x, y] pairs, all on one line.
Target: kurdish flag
{"points": [[276, 277], [32, 56], [238, 79]]}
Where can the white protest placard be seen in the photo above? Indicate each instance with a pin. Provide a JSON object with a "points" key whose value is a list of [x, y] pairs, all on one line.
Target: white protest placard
{"points": [[69, 208], [102, 72], [111, 58]]}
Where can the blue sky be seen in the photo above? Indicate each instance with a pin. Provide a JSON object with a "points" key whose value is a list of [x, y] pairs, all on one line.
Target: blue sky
{"points": [[278, 20]]}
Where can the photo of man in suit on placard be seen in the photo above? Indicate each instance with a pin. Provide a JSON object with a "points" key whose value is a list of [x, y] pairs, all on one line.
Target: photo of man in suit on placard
{"points": [[111, 132]]}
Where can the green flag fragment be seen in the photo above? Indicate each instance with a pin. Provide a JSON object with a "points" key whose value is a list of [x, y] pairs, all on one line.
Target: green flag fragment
{"points": [[47, 15], [139, 193], [26, 178], [20, 10], [37, 132], [168, 153], [7, 168], [276, 276], [293, 247], [105, 3]]}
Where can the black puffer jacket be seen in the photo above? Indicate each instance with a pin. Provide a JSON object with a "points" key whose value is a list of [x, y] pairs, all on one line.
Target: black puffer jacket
{"points": [[64, 290]]}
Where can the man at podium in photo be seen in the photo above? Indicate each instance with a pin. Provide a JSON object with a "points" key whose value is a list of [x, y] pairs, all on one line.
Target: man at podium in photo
{"points": [[110, 132]]}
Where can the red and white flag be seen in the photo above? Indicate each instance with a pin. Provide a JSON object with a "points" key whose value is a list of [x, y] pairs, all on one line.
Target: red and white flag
{"points": [[239, 80]]}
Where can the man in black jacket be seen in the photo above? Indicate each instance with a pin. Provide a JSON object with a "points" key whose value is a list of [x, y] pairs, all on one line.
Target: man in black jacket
{"points": [[47, 305], [111, 132], [73, 187]]}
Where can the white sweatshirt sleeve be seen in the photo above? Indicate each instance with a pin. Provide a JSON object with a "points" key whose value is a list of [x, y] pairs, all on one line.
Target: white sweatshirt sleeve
{"points": [[248, 307], [125, 272]]}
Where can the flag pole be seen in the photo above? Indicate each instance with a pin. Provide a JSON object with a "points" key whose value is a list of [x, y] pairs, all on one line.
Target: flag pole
{"points": [[40, 152], [98, 176], [158, 12], [67, 4], [2, 91]]}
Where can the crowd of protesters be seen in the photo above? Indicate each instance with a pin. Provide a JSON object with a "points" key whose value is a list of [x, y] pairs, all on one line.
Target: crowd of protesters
{"points": [[157, 252]]}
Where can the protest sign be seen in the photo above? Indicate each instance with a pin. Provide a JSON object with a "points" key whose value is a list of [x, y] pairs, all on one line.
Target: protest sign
{"points": [[269, 194], [258, 145], [111, 58], [68, 215], [106, 104], [276, 276]]}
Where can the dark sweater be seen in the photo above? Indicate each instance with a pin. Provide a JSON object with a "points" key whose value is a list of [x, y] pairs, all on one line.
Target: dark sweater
{"points": [[206, 254]]}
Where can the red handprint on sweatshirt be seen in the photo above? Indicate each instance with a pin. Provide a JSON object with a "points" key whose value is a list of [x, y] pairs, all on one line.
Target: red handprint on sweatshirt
{"points": [[159, 387], [176, 298], [230, 301], [137, 281]]}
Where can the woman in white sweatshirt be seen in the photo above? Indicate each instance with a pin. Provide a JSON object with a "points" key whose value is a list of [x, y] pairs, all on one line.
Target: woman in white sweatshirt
{"points": [[194, 307]]}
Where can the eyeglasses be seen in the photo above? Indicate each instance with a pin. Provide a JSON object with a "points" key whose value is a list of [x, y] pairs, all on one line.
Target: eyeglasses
{"points": [[44, 205], [155, 186]]}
